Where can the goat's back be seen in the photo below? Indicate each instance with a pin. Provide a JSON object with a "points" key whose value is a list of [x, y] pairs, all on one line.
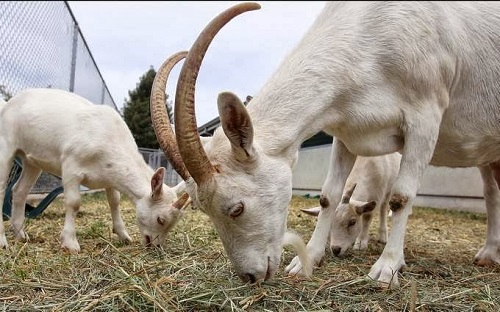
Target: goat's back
{"points": [[49, 125]]}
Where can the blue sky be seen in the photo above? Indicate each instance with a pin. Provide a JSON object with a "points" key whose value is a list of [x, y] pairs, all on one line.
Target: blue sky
{"points": [[126, 38]]}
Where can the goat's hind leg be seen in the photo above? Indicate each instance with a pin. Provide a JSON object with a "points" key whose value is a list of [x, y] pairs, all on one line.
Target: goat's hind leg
{"points": [[20, 191], [490, 253], [118, 224]]}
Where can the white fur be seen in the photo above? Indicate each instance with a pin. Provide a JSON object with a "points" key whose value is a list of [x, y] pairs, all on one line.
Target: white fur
{"points": [[373, 177], [297, 243], [421, 78], [85, 144]]}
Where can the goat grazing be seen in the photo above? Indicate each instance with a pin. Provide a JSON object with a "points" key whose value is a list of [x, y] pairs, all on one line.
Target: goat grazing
{"points": [[85, 144], [419, 78], [367, 190]]}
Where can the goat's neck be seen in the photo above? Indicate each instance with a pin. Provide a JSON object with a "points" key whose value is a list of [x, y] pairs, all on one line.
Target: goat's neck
{"points": [[287, 113], [136, 182]]}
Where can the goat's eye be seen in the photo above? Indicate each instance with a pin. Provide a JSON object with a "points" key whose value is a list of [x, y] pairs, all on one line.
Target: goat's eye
{"points": [[160, 221], [352, 222], [236, 210]]}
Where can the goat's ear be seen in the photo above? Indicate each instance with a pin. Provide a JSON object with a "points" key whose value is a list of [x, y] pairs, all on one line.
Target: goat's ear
{"points": [[364, 207], [237, 125], [157, 183]]}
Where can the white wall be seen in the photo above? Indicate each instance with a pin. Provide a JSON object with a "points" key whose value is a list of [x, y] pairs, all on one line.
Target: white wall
{"points": [[441, 187]]}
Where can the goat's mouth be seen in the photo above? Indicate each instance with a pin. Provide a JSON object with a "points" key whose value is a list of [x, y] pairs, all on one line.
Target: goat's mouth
{"points": [[339, 252], [147, 241], [269, 272], [254, 279], [152, 241]]}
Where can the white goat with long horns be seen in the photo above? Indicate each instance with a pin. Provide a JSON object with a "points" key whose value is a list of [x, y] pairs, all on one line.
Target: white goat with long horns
{"points": [[85, 144], [422, 78]]}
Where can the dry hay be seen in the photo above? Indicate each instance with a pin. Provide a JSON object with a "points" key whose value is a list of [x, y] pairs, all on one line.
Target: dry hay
{"points": [[193, 273]]}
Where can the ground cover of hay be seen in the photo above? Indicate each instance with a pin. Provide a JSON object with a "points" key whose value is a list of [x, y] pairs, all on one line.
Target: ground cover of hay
{"points": [[194, 274]]}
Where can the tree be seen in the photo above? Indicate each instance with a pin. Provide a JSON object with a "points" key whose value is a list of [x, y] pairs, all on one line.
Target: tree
{"points": [[5, 93], [136, 111]]}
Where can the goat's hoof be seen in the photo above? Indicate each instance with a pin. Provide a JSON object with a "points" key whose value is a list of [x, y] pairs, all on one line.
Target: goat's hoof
{"points": [[70, 250], [127, 240], [21, 236], [3, 242], [489, 255], [71, 247]]}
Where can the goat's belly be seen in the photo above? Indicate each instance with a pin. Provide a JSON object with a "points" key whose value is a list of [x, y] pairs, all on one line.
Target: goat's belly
{"points": [[45, 164], [466, 154], [375, 143]]}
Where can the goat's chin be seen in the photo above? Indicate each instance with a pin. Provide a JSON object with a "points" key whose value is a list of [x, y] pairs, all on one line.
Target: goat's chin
{"points": [[152, 243]]}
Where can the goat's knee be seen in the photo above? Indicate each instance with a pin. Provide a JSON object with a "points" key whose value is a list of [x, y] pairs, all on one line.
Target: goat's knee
{"points": [[323, 201], [398, 201]]}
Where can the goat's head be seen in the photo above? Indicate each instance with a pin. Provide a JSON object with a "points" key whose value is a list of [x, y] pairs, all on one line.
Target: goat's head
{"points": [[346, 224], [158, 213], [244, 191]]}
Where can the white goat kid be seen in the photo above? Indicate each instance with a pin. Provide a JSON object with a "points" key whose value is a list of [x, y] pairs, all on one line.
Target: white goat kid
{"points": [[421, 78], [85, 144], [367, 191]]}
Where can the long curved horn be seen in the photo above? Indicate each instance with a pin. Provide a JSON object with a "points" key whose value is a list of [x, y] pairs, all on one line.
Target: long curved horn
{"points": [[160, 118], [186, 131]]}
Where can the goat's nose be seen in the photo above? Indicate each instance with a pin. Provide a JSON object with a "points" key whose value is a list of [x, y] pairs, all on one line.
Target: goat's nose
{"points": [[248, 277], [336, 250]]}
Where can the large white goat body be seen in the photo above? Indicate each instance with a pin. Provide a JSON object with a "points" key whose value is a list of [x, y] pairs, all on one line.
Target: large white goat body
{"points": [[422, 78], [85, 144]]}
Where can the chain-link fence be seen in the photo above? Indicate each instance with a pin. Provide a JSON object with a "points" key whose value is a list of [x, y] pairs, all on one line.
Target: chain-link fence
{"points": [[156, 158], [41, 46]]}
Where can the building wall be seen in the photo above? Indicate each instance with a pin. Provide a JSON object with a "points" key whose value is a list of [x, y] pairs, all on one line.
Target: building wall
{"points": [[441, 187]]}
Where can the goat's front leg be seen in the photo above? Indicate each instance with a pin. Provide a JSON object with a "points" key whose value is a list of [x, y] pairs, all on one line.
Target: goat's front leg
{"points": [[72, 203], [490, 253], [5, 167], [420, 139], [341, 163], [363, 237], [383, 212], [20, 191], [118, 224]]}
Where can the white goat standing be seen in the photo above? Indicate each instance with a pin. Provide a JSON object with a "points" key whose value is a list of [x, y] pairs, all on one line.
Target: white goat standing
{"points": [[85, 144], [367, 191], [422, 78]]}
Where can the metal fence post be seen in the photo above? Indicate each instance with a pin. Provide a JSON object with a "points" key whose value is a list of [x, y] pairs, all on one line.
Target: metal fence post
{"points": [[73, 58]]}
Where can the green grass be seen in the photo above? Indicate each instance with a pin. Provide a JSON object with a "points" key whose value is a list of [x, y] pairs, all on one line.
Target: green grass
{"points": [[193, 272]]}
